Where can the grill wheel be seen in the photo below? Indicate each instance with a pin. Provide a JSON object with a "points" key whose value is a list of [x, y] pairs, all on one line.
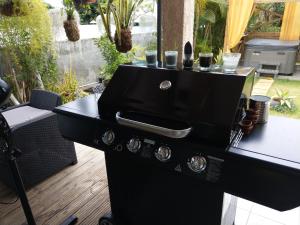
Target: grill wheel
{"points": [[107, 220]]}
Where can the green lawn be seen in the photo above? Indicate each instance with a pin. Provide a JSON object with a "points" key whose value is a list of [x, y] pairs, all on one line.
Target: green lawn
{"points": [[294, 90]]}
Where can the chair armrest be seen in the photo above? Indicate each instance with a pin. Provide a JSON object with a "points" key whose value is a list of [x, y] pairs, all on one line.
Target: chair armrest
{"points": [[28, 123], [44, 100]]}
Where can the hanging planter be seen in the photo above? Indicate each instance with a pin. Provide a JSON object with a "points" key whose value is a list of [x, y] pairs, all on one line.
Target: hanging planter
{"points": [[71, 29], [124, 43], [70, 25], [123, 14], [14, 8]]}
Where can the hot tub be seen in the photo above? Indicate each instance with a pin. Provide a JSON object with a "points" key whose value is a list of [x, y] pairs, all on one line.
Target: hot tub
{"points": [[272, 52]]}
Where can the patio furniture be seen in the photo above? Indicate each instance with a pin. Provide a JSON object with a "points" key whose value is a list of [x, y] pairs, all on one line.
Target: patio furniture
{"points": [[35, 132], [268, 69], [272, 52]]}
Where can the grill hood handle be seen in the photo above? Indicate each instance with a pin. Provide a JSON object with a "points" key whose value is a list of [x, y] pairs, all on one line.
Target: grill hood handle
{"points": [[171, 133]]}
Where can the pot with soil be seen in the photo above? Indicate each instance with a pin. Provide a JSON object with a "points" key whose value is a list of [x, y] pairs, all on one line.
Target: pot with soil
{"points": [[125, 44], [70, 25], [71, 29]]}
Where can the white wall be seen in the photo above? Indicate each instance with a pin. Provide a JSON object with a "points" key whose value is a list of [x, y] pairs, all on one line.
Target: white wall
{"points": [[83, 56]]}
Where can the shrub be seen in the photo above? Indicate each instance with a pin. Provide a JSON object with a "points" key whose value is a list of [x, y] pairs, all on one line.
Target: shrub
{"points": [[112, 57], [27, 46], [282, 102], [68, 87]]}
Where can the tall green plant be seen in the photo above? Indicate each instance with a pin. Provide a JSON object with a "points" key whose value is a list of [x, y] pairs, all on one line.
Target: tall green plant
{"points": [[105, 12], [26, 43], [210, 22], [68, 88]]}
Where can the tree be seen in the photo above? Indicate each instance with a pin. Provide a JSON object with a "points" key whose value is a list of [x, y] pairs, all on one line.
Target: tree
{"points": [[26, 43]]}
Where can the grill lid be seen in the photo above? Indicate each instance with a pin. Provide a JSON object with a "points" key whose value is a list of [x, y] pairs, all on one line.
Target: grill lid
{"points": [[176, 104]]}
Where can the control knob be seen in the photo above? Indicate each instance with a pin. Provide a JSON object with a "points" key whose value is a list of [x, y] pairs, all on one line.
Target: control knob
{"points": [[163, 153], [197, 164], [108, 137], [134, 145]]}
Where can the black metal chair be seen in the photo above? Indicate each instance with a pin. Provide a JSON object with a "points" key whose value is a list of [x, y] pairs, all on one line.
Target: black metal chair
{"points": [[35, 131]]}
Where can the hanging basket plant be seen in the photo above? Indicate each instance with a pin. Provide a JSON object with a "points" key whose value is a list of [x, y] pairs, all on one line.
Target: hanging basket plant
{"points": [[70, 25], [15, 7], [124, 43], [123, 13], [71, 29]]}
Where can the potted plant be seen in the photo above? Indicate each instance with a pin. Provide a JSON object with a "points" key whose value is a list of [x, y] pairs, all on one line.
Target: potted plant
{"points": [[205, 56], [70, 25]]}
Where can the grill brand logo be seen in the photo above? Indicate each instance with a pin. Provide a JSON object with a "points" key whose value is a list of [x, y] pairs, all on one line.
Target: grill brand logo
{"points": [[165, 85]]}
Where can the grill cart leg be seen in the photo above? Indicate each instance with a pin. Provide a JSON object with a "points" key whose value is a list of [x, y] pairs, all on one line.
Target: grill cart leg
{"points": [[107, 220], [21, 191]]}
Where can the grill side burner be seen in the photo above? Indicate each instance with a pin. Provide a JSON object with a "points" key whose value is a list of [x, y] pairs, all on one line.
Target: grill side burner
{"points": [[178, 175]]}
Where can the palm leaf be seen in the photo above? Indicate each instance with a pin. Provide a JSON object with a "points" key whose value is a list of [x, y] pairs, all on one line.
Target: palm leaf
{"points": [[288, 104], [117, 22], [209, 16], [278, 92]]}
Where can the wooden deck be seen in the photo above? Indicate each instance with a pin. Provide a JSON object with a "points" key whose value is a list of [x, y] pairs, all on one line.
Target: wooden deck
{"points": [[81, 190]]}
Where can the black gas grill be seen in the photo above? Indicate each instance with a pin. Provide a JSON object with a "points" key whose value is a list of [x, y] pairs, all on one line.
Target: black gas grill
{"points": [[177, 104], [171, 142]]}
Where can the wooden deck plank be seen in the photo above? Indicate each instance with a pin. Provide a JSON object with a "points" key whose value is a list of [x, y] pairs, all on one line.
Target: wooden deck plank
{"points": [[79, 189], [100, 206], [59, 178], [82, 203], [64, 190]]}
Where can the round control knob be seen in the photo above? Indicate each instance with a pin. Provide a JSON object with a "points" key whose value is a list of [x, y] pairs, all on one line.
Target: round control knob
{"points": [[134, 145], [108, 137], [197, 164], [163, 154]]}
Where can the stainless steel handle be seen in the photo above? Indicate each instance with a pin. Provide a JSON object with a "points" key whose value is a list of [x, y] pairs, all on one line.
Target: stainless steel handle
{"points": [[152, 128]]}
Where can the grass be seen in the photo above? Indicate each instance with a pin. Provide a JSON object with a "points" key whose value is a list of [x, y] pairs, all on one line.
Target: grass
{"points": [[294, 90]]}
